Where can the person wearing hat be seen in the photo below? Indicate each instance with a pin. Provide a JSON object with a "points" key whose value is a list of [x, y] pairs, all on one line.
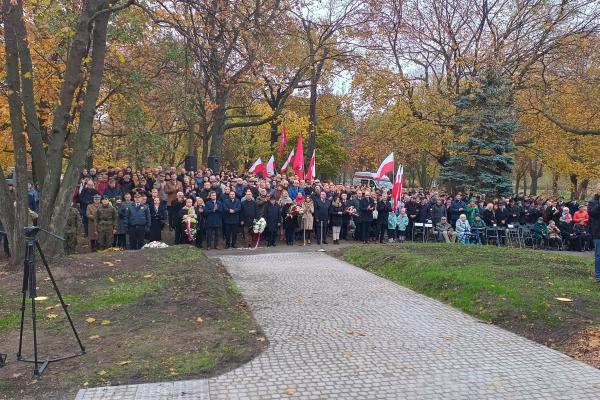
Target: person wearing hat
{"points": [[138, 220], [106, 223], [91, 217], [120, 237], [73, 228]]}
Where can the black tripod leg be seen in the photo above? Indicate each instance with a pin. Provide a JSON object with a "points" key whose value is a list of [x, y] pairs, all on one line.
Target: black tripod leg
{"points": [[24, 289], [62, 302]]}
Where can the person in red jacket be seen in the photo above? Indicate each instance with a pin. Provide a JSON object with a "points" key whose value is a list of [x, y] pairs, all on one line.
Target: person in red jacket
{"points": [[581, 215]]}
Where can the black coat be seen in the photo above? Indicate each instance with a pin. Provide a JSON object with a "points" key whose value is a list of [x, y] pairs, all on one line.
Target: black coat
{"points": [[249, 212], [335, 214], [488, 217], [229, 205], [157, 221], [366, 206], [322, 211], [383, 212], [272, 216], [594, 212]]}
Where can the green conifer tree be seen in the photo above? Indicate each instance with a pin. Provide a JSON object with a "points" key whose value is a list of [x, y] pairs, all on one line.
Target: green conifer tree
{"points": [[485, 125]]}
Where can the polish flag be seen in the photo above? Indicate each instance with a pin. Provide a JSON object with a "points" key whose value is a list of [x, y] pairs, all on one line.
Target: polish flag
{"points": [[397, 188], [271, 167], [287, 162], [386, 166], [282, 143], [257, 167], [299, 158], [311, 173]]}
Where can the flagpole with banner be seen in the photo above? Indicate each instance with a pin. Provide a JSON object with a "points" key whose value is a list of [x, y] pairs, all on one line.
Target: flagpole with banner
{"points": [[386, 166]]}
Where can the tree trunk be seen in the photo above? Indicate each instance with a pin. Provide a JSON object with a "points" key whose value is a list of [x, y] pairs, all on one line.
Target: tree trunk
{"points": [[83, 138], [32, 123], [573, 179], [535, 173], [274, 136], [191, 140], [555, 178], [217, 131], [62, 117], [583, 188], [14, 211], [312, 117]]}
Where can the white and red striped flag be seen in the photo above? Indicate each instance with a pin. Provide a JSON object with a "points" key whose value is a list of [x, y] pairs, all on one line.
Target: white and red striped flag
{"points": [[397, 188], [287, 163], [257, 167], [271, 166], [311, 172], [386, 166]]}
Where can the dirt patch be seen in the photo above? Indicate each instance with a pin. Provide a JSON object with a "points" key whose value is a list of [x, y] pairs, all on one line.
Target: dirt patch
{"points": [[585, 346], [145, 316]]}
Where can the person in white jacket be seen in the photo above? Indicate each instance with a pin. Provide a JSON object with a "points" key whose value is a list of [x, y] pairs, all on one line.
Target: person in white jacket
{"points": [[463, 229]]}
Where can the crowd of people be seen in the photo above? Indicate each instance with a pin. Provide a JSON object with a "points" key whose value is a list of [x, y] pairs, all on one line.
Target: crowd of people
{"points": [[120, 207]]}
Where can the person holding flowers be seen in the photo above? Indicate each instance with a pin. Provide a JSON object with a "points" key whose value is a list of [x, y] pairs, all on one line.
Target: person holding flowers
{"points": [[289, 213], [189, 222]]}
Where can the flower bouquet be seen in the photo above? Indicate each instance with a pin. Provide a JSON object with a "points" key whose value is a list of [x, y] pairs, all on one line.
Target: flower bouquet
{"points": [[294, 211], [189, 224], [352, 211], [259, 227], [155, 245]]}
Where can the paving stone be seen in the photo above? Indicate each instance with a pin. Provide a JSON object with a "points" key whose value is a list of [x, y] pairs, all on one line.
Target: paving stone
{"points": [[338, 332]]}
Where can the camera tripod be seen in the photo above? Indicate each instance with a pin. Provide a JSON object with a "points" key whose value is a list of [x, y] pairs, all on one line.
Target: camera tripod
{"points": [[29, 287]]}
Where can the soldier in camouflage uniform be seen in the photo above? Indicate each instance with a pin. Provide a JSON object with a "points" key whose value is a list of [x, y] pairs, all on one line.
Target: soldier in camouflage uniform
{"points": [[106, 223], [92, 228], [72, 230]]}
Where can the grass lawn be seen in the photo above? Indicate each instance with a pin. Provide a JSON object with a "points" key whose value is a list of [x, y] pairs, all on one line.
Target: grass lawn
{"points": [[145, 316], [513, 288]]}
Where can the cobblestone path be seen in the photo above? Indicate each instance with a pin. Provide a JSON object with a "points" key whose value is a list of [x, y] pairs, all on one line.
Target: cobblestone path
{"points": [[338, 332]]}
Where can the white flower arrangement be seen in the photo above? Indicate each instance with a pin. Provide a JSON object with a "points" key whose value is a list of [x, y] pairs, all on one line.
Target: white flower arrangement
{"points": [[155, 245], [259, 225]]}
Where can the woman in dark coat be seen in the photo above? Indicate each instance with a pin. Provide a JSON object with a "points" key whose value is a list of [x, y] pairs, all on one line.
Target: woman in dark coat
{"points": [[289, 222], [383, 211], [336, 211], [158, 215]]}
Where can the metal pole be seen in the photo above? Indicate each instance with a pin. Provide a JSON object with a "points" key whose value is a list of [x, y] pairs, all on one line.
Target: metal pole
{"points": [[322, 238]]}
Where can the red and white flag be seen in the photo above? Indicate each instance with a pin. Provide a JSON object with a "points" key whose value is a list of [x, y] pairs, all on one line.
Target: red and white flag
{"points": [[299, 158], [287, 162], [311, 172], [271, 166], [257, 167], [282, 143], [397, 188], [386, 167]]}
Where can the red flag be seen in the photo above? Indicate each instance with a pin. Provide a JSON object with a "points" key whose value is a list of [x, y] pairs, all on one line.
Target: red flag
{"points": [[311, 172], [299, 158], [271, 167], [257, 167], [282, 143], [287, 162], [397, 188], [386, 166]]}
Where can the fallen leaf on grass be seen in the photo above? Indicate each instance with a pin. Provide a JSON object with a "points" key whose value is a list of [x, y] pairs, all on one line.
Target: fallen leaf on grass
{"points": [[94, 337], [565, 299], [17, 375], [252, 331], [90, 320], [260, 339], [108, 264], [111, 279], [289, 391], [52, 316], [124, 362], [49, 308], [173, 371], [148, 276], [102, 373], [105, 322], [41, 298], [199, 320]]}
